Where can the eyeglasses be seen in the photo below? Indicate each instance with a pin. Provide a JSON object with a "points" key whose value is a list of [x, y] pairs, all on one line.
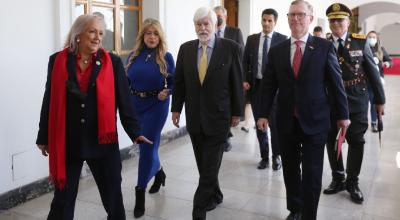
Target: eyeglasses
{"points": [[297, 15]]}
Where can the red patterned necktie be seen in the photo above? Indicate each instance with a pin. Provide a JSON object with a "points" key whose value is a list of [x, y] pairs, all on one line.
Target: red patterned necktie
{"points": [[297, 58]]}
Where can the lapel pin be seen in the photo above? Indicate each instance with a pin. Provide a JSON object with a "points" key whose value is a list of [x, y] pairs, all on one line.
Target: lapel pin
{"points": [[311, 47], [98, 63]]}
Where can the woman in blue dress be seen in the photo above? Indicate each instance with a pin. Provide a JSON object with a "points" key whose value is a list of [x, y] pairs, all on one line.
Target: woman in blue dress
{"points": [[150, 68]]}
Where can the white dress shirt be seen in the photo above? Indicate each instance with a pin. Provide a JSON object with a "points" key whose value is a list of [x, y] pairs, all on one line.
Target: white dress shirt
{"points": [[293, 46], [263, 37], [336, 42]]}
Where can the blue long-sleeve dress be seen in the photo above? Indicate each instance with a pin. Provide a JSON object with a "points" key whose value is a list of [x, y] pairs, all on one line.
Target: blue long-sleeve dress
{"points": [[152, 113]]}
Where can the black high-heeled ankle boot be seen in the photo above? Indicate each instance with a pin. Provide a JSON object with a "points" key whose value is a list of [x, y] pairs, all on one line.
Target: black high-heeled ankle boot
{"points": [[159, 180], [139, 205]]}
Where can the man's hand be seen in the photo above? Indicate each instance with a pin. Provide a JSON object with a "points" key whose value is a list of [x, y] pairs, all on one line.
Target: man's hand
{"points": [[44, 149], [386, 64], [262, 124], [380, 109], [343, 124], [235, 121], [175, 118], [143, 139], [246, 86]]}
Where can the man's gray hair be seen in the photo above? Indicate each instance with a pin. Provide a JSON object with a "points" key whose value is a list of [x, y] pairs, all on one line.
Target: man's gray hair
{"points": [[204, 12], [308, 5], [221, 8]]}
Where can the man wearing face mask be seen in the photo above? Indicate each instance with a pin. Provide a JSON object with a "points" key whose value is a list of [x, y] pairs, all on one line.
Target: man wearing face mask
{"points": [[226, 31], [232, 33], [208, 82], [382, 60], [358, 67]]}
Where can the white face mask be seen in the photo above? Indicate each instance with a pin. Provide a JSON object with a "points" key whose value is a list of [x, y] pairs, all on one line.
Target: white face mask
{"points": [[372, 41]]}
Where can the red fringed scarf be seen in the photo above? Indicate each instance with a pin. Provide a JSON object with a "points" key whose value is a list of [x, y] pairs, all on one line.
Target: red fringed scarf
{"points": [[105, 93]]}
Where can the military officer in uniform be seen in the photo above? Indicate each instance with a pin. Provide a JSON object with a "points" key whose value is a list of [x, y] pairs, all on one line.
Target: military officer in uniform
{"points": [[358, 69]]}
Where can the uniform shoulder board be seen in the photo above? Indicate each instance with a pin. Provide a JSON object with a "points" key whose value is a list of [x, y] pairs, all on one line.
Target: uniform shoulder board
{"points": [[358, 36]]}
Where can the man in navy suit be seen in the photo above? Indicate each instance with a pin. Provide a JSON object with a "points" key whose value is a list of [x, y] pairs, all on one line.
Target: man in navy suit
{"points": [[254, 62], [208, 81], [302, 68]]}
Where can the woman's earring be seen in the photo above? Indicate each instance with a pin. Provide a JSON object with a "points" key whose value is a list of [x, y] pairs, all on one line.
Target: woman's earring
{"points": [[78, 40]]}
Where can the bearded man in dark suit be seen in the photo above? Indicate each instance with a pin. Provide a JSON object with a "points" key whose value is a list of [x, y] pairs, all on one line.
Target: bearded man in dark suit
{"points": [[208, 81]]}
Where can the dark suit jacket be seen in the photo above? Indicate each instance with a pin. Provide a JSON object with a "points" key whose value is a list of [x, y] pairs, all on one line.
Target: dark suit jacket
{"points": [[250, 57], [357, 53], [81, 138], [319, 67], [209, 107], [234, 34]]}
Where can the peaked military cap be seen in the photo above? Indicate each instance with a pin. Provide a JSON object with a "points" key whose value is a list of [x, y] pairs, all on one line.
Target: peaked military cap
{"points": [[338, 10]]}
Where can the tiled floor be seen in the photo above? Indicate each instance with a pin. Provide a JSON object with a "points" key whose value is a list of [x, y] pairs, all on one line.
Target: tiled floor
{"points": [[249, 193]]}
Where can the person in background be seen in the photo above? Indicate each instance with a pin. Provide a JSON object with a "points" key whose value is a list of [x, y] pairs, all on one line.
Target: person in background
{"points": [[301, 68], [85, 86], [317, 32], [328, 35], [357, 66], [382, 60], [232, 33], [255, 60], [108, 38], [150, 69], [208, 82]]}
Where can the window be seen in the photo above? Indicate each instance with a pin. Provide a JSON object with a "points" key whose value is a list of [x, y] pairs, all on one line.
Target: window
{"points": [[122, 18]]}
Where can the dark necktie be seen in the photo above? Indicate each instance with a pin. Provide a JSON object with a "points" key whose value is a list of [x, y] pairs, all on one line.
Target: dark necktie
{"points": [[340, 47], [264, 54]]}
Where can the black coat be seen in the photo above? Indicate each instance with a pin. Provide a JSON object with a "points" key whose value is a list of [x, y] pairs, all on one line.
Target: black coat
{"points": [[209, 107], [81, 113]]}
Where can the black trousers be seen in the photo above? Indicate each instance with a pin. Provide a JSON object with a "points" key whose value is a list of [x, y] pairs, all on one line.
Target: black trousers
{"points": [[107, 174], [208, 151], [303, 183], [355, 139], [262, 136]]}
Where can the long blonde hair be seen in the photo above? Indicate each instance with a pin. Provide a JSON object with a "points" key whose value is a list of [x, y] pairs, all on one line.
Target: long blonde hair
{"points": [[161, 48]]}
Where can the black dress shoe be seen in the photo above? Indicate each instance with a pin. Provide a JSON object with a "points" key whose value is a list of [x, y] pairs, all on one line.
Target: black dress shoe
{"points": [[335, 187], [213, 204], [264, 163], [276, 163], [355, 192], [227, 145], [294, 216]]}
